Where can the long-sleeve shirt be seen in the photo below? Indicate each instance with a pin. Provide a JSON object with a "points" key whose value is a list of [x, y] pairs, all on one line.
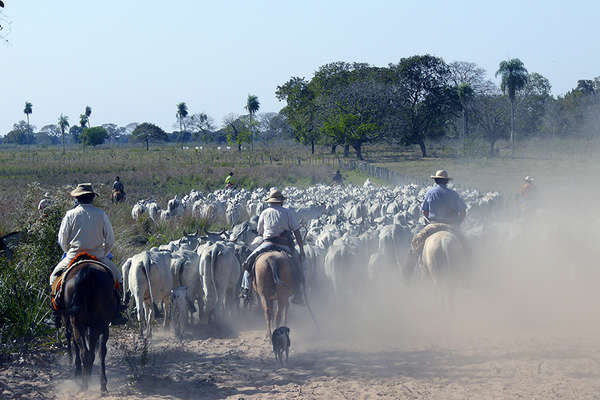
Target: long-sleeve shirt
{"points": [[443, 204], [86, 228], [275, 220]]}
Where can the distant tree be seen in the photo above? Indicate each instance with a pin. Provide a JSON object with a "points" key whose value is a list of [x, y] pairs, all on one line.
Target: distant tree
{"points": [[63, 124], [273, 126], [252, 106], [514, 78], [492, 117], [301, 110], [585, 86], [198, 124], [532, 103], [114, 131], [148, 132], [88, 112], [28, 110], [22, 133], [422, 100], [465, 96], [75, 132], [93, 136], [83, 121], [182, 112], [238, 129]]}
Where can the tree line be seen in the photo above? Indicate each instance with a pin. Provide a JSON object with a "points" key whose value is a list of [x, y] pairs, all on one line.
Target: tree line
{"points": [[422, 98]]}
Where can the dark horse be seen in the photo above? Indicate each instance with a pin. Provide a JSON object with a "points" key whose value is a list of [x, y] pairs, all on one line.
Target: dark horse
{"points": [[90, 306], [117, 196]]}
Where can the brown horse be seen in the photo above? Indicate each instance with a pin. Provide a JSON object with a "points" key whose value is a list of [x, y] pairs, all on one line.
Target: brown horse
{"points": [[117, 196], [268, 290], [90, 306]]}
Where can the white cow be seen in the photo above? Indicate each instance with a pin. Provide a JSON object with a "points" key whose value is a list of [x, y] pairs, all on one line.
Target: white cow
{"points": [[220, 271]]}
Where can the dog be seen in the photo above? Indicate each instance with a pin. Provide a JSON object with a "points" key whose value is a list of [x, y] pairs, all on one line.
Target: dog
{"points": [[281, 343]]}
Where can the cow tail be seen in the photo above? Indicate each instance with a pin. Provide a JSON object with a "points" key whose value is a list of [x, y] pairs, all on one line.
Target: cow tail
{"points": [[125, 270], [146, 261], [211, 271]]}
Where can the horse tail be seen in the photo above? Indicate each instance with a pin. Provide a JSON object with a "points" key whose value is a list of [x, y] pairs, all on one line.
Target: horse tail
{"points": [[82, 285], [146, 263]]}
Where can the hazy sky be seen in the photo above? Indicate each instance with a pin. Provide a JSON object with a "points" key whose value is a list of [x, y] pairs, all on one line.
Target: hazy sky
{"points": [[133, 61]]}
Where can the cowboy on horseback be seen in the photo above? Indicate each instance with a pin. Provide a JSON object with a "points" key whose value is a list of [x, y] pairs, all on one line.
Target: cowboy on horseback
{"points": [[118, 190], [443, 208], [86, 229], [276, 225]]}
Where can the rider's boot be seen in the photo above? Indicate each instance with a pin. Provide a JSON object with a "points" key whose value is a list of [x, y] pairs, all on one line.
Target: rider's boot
{"points": [[119, 318]]}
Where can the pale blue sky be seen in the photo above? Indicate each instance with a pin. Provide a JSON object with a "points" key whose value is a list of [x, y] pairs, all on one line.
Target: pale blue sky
{"points": [[133, 61]]}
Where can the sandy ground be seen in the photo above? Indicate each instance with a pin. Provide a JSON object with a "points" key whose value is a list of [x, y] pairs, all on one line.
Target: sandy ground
{"points": [[240, 365]]}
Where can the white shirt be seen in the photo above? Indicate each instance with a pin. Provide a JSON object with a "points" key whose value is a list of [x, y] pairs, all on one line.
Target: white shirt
{"points": [[275, 220], [86, 228]]}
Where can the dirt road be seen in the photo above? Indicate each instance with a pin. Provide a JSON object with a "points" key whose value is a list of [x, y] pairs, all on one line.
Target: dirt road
{"points": [[241, 366]]}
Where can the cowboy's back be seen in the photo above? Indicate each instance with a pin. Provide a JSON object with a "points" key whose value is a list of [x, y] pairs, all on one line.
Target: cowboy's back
{"points": [[442, 204], [86, 228], [275, 220]]}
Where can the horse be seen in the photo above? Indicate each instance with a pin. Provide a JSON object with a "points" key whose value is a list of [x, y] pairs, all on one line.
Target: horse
{"points": [[443, 261], [268, 290], [117, 196], [90, 305]]}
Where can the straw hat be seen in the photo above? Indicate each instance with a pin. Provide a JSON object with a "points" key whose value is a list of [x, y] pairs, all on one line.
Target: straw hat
{"points": [[528, 179], [83, 188], [441, 174], [275, 197]]}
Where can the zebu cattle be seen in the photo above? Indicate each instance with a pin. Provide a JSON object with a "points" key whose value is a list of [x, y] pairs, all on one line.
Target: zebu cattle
{"points": [[220, 271], [138, 210], [149, 278]]}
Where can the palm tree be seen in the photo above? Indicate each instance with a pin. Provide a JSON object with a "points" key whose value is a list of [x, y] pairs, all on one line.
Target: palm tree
{"points": [[252, 105], [63, 124], [28, 110], [514, 77], [88, 112], [83, 120], [182, 112]]}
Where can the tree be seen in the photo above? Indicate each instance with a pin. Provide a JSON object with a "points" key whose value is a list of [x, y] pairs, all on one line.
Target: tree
{"points": [[83, 121], [532, 102], [63, 124], [491, 116], [75, 133], [93, 136], [88, 112], [198, 124], [514, 78], [182, 112], [238, 129], [28, 110], [421, 100], [21, 133], [252, 106], [147, 132], [300, 110], [465, 96]]}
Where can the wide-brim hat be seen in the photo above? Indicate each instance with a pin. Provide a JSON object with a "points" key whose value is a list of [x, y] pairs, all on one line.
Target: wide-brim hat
{"points": [[441, 174], [83, 188], [275, 197]]}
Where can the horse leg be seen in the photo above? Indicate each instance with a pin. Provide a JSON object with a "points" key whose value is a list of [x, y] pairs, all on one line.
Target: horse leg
{"points": [[79, 347], [103, 380], [268, 310], [68, 337], [90, 352]]}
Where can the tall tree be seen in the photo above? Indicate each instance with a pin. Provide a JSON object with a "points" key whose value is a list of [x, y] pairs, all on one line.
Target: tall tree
{"points": [[147, 132], [492, 118], [422, 99], [465, 96], [28, 110], [63, 124], [182, 112], [252, 106], [88, 112], [83, 121], [93, 136], [514, 78]]}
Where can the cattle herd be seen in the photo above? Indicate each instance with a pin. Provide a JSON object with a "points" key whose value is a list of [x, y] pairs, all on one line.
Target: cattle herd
{"points": [[352, 233]]}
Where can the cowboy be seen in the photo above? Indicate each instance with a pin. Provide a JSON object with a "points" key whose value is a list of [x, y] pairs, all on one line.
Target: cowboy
{"points": [[118, 186], [529, 194], [443, 208], [229, 181], [442, 204], [45, 202], [276, 225], [86, 228], [337, 178]]}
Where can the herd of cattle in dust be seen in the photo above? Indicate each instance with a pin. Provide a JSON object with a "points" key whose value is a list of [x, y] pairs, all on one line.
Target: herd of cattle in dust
{"points": [[352, 234]]}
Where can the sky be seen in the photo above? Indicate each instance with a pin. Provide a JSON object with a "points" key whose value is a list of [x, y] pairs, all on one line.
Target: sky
{"points": [[133, 61]]}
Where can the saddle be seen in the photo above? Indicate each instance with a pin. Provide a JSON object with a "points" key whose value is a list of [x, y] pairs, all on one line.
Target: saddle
{"points": [[57, 290], [418, 241]]}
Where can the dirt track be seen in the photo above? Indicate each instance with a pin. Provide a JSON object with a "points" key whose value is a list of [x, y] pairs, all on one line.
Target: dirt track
{"points": [[242, 366]]}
